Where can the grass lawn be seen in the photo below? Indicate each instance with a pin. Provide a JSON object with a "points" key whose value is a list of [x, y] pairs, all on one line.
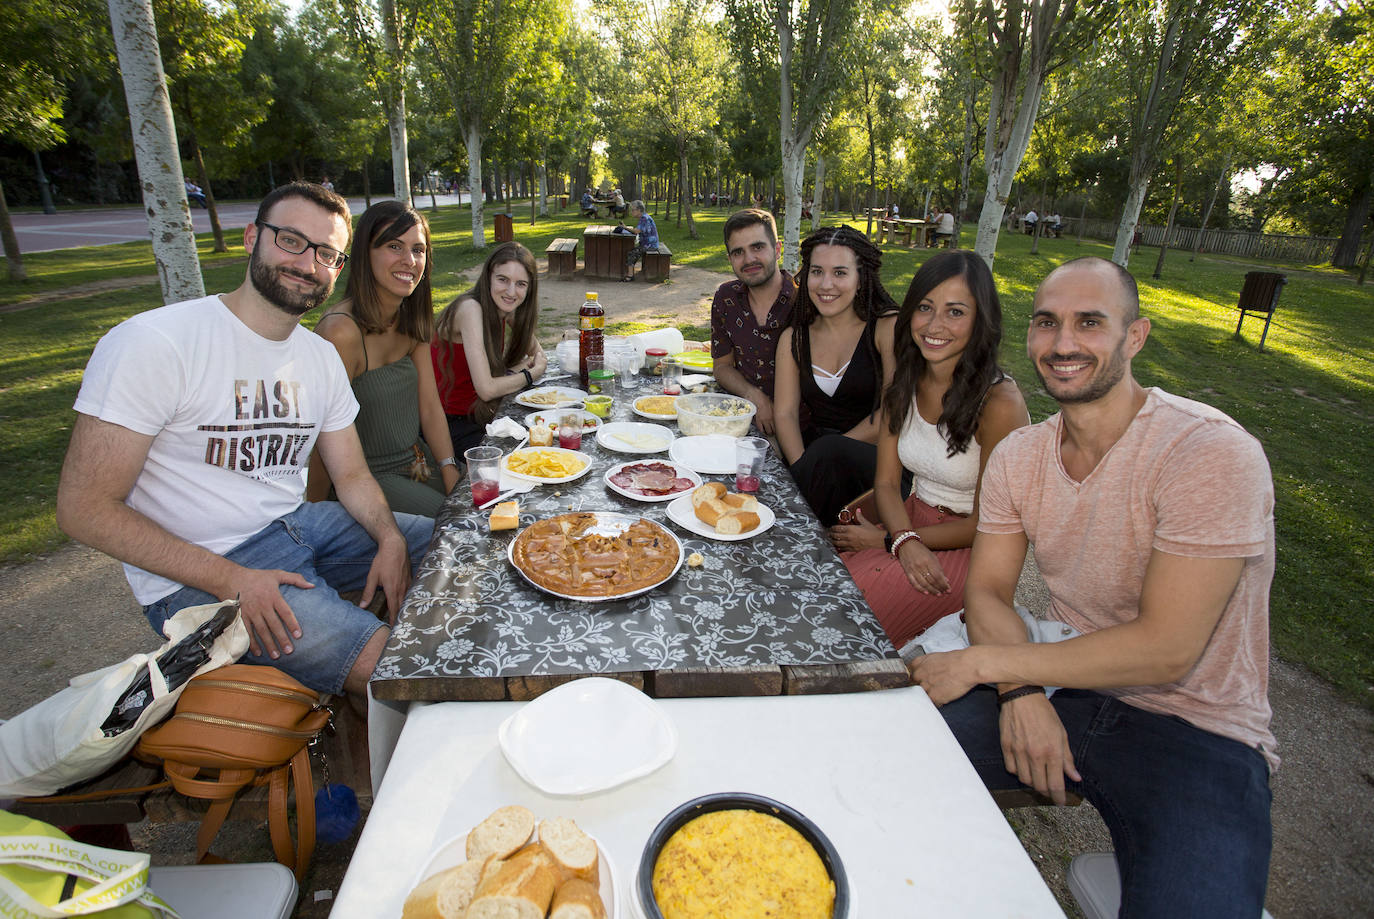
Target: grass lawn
{"points": [[1309, 397]]}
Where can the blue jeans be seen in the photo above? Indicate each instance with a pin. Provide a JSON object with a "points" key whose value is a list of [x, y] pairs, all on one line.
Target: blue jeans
{"points": [[329, 549], [1188, 810]]}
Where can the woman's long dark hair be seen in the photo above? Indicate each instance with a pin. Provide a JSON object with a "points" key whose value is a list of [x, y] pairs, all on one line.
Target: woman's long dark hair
{"points": [[522, 324], [871, 299], [977, 370], [379, 225]]}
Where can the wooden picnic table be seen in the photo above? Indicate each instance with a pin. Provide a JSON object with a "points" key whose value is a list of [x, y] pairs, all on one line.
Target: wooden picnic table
{"points": [[774, 614], [605, 251]]}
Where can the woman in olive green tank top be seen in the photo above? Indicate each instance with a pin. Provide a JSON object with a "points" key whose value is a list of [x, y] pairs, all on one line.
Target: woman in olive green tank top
{"points": [[381, 330]]}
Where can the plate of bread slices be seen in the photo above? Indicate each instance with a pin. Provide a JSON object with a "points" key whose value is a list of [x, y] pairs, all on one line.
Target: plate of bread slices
{"points": [[715, 512], [508, 866]]}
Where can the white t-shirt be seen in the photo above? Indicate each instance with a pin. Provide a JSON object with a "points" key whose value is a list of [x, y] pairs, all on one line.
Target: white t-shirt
{"points": [[945, 225], [1031, 217], [233, 418]]}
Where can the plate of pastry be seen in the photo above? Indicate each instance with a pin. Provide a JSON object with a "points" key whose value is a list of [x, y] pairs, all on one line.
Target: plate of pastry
{"points": [[596, 555]]}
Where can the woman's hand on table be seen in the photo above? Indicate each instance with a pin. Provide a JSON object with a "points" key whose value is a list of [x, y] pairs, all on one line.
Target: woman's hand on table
{"points": [[922, 568], [853, 537]]}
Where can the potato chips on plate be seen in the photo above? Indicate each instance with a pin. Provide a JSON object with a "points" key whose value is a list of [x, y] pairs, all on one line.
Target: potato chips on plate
{"points": [[547, 465]]}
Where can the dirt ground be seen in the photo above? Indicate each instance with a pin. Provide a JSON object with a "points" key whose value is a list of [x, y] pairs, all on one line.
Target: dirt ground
{"points": [[72, 612]]}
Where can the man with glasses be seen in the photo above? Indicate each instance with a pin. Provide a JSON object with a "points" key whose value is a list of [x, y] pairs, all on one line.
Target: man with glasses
{"points": [[195, 423]]}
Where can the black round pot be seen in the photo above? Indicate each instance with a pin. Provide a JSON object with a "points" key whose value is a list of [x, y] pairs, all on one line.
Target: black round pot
{"points": [[739, 800]]}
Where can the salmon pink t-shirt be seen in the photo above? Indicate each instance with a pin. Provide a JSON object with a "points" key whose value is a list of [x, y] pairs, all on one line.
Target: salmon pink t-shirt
{"points": [[1184, 479]]}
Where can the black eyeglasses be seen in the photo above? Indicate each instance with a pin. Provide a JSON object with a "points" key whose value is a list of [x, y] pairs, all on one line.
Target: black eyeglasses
{"points": [[295, 243]]}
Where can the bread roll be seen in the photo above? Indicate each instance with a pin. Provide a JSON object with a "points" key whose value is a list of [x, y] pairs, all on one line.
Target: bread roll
{"points": [[573, 851], [520, 889], [703, 493], [505, 516], [711, 511], [736, 522], [577, 899], [445, 895], [505, 830], [738, 502]]}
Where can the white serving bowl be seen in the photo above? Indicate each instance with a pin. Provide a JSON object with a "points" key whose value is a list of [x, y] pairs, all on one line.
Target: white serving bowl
{"points": [[714, 413]]}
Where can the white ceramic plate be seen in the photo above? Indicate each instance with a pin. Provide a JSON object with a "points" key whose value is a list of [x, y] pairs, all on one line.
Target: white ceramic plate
{"points": [[454, 853], [680, 512], [656, 417], [590, 423], [587, 736], [678, 470], [634, 437], [713, 454], [586, 466], [564, 393]]}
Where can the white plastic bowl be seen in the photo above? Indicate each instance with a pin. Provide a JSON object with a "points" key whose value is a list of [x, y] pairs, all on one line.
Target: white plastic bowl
{"points": [[714, 413]]}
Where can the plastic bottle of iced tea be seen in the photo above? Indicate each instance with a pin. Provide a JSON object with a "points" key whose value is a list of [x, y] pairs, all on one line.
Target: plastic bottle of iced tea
{"points": [[592, 319]]}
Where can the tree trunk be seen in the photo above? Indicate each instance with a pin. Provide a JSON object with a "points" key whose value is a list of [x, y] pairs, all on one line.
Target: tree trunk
{"points": [[793, 174], [396, 104], [1130, 218], [543, 189], [203, 179], [1207, 211], [13, 258], [44, 186], [818, 194], [474, 144], [686, 193], [1169, 224], [1003, 163], [367, 181], [1348, 246], [155, 150], [1082, 218]]}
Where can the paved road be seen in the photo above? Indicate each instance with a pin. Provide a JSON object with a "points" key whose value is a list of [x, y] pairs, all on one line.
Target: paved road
{"points": [[70, 228]]}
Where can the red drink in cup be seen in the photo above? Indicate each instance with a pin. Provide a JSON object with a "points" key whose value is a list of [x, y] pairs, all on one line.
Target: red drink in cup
{"points": [[483, 491], [484, 473], [570, 431], [745, 482], [749, 454]]}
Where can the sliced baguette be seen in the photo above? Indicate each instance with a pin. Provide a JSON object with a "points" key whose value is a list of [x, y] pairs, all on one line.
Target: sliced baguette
{"points": [[737, 522], [711, 511], [738, 502], [573, 851], [703, 493], [577, 899], [505, 830], [445, 895], [521, 888]]}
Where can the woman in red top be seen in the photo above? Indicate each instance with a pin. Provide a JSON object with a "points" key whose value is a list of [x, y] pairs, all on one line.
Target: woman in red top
{"points": [[484, 343]]}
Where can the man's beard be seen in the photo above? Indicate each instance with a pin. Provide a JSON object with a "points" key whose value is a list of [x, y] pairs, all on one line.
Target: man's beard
{"points": [[769, 269], [267, 281], [1108, 375]]}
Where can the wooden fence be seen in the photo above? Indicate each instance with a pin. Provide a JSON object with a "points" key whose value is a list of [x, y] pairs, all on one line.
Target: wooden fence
{"points": [[1307, 250]]}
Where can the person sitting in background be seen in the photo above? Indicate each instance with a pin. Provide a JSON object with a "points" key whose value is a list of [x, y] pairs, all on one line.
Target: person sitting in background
{"points": [[195, 195], [948, 405], [381, 329], [484, 343], [944, 228], [1054, 224], [835, 358], [588, 204], [647, 241], [618, 207], [749, 313], [1030, 220]]}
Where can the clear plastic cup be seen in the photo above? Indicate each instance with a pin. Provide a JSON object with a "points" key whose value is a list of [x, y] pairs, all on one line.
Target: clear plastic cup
{"points": [[672, 377], [484, 473], [570, 430], [749, 454], [601, 376]]}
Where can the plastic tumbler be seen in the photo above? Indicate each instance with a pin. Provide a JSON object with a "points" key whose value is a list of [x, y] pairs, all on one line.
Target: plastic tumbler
{"points": [[570, 430], [749, 454], [672, 377], [601, 375], [484, 473]]}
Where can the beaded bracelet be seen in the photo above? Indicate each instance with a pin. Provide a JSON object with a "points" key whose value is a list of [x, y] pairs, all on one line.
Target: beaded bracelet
{"points": [[901, 537], [1028, 690]]}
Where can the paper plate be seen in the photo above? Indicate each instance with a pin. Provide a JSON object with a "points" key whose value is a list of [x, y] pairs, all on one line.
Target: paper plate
{"points": [[700, 361], [681, 512], [587, 736], [564, 394], [713, 454], [678, 470], [654, 415], [454, 853], [586, 466], [634, 437]]}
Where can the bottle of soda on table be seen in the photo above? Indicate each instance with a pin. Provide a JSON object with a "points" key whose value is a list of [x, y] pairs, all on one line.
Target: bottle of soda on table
{"points": [[591, 320]]}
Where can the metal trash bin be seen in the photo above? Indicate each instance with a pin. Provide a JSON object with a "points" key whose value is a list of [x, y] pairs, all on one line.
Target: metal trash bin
{"points": [[1260, 294]]}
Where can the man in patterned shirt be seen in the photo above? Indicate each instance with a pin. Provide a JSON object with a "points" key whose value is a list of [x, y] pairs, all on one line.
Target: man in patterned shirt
{"points": [[749, 312]]}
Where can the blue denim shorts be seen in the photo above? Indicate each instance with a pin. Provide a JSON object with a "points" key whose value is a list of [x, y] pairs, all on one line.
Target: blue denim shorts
{"points": [[326, 546]]}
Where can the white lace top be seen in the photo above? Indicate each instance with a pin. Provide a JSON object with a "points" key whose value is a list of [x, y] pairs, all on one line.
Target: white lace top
{"points": [[939, 480]]}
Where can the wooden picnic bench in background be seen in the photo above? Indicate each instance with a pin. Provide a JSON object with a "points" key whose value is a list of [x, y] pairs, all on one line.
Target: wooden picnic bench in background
{"points": [[658, 264], [562, 255]]}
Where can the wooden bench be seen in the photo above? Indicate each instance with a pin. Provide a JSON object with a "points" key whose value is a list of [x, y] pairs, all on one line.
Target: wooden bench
{"points": [[658, 264], [562, 255]]}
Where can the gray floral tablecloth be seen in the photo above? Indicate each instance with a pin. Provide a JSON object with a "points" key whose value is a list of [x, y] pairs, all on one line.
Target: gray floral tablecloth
{"points": [[780, 598]]}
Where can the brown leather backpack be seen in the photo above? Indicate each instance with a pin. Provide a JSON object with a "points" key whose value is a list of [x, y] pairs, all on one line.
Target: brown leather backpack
{"points": [[241, 726]]}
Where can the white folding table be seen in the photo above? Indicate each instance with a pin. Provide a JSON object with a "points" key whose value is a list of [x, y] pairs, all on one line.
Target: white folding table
{"points": [[879, 772]]}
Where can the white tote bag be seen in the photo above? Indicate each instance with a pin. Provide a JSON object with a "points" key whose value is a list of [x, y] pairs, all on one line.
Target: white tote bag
{"points": [[59, 741]]}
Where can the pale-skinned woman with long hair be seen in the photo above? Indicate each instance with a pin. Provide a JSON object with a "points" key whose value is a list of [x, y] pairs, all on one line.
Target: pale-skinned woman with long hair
{"points": [[948, 405], [381, 329], [485, 345]]}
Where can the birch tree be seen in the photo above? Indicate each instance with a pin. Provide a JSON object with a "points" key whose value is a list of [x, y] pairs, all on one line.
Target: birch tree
{"points": [[1176, 54], [1027, 40], [155, 150], [802, 49]]}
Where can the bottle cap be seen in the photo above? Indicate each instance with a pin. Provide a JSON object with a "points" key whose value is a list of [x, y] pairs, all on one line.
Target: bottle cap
{"points": [[591, 295]]}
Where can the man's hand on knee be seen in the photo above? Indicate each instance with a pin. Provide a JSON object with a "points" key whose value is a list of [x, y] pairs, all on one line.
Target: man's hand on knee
{"points": [[1035, 746], [271, 623], [391, 572]]}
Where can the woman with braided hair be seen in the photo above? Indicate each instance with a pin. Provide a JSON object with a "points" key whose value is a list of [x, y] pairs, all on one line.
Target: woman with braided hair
{"points": [[833, 363]]}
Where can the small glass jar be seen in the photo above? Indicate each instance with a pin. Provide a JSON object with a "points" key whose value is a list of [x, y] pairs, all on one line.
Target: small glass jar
{"points": [[653, 360]]}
